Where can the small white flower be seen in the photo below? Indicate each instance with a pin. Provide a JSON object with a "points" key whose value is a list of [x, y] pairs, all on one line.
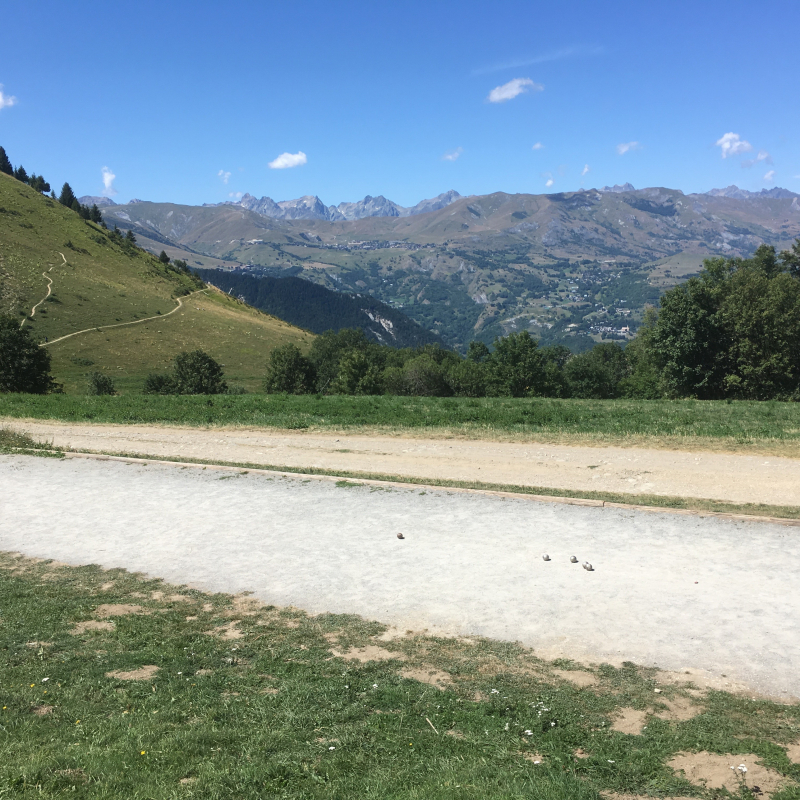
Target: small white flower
{"points": [[742, 768], [529, 733], [495, 691], [611, 762], [537, 762], [506, 727], [331, 748], [658, 691], [552, 724], [44, 680], [374, 685], [347, 687]]}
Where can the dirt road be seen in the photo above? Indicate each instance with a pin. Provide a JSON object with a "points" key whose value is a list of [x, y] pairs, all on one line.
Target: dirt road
{"points": [[671, 591], [712, 476]]}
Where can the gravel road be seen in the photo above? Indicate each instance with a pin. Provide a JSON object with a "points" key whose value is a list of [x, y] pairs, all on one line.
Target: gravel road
{"points": [[713, 476], [677, 592]]}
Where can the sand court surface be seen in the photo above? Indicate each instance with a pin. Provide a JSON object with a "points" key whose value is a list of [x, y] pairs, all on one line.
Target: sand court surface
{"points": [[730, 477], [677, 592]]}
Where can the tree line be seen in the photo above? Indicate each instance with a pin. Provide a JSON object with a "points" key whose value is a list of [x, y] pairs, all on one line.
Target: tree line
{"points": [[38, 183], [732, 332]]}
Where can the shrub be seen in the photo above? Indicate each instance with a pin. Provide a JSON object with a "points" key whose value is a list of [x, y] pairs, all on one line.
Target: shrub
{"points": [[197, 373], [289, 371], [159, 384], [100, 384]]}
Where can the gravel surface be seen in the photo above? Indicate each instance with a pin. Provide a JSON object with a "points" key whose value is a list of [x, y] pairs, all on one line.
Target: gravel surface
{"points": [[711, 476], [677, 592]]}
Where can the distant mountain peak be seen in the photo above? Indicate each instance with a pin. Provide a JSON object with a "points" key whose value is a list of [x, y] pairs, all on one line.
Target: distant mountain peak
{"points": [[776, 192], [311, 207], [617, 188], [93, 200]]}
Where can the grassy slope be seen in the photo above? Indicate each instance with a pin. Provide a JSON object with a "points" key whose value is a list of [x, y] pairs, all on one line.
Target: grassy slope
{"points": [[273, 714], [102, 284]]}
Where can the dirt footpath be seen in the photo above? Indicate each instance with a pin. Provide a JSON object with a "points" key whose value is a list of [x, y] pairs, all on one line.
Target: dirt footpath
{"points": [[680, 593], [711, 476]]}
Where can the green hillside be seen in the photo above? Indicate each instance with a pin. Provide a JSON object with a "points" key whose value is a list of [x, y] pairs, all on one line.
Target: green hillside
{"points": [[99, 280]]}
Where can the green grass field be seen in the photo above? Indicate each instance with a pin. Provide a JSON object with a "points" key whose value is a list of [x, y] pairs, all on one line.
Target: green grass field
{"points": [[114, 686], [742, 425], [104, 284]]}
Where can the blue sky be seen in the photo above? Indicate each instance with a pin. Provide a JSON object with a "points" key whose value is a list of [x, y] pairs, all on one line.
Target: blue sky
{"points": [[191, 102]]}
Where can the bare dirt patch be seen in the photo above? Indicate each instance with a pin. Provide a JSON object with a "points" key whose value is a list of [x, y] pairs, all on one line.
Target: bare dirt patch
{"points": [[107, 586], [118, 610], [427, 674], [793, 752], [581, 753], [578, 677], [455, 734], [142, 674], [170, 598], [678, 709], [228, 631], [369, 653], [91, 625], [42, 711], [615, 796], [630, 721], [534, 758], [392, 633], [713, 771], [697, 681], [38, 645]]}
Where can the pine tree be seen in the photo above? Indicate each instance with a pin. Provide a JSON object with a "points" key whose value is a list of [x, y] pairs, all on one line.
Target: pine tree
{"points": [[5, 164], [94, 214], [67, 196], [20, 174], [129, 237], [164, 258]]}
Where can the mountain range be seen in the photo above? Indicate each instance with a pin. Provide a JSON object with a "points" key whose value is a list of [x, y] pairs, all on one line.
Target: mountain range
{"points": [[571, 266]]}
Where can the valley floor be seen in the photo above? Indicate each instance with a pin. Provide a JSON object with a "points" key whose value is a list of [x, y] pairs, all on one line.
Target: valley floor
{"points": [[769, 484], [681, 593]]}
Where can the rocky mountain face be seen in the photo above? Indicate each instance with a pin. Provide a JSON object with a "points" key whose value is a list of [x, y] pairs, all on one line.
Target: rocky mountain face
{"points": [[311, 207], [91, 200], [617, 188]]}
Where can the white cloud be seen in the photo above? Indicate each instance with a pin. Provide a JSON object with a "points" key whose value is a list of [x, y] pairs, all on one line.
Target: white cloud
{"points": [[510, 90], [453, 154], [6, 100], [585, 170], [288, 160], [223, 176], [763, 155], [732, 144], [770, 176], [626, 146], [108, 182], [549, 182], [538, 146], [235, 195]]}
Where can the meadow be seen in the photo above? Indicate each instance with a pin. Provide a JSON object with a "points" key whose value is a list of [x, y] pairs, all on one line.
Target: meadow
{"points": [[113, 685], [758, 427]]}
